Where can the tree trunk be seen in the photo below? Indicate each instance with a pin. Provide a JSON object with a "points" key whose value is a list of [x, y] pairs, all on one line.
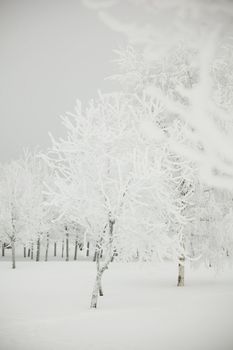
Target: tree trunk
{"points": [[100, 288], [47, 248], [180, 282], [38, 249], [3, 249], [88, 248], [96, 290], [29, 251], [24, 252], [67, 245], [55, 249], [32, 251], [114, 254], [13, 253], [62, 248], [191, 245], [95, 255], [76, 249]]}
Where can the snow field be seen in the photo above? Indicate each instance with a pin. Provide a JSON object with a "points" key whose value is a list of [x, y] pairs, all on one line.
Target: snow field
{"points": [[45, 306]]}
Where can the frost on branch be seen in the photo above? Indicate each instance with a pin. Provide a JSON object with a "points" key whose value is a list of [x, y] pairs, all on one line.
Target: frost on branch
{"points": [[23, 216], [183, 60], [115, 182]]}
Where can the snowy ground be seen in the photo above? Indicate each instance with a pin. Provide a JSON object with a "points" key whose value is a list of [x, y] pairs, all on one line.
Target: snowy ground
{"points": [[45, 306]]}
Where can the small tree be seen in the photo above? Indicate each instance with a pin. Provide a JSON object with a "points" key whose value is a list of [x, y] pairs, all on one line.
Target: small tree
{"points": [[23, 214], [13, 186]]}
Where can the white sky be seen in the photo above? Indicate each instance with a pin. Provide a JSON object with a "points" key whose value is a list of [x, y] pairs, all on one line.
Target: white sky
{"points": [[52, 52]]}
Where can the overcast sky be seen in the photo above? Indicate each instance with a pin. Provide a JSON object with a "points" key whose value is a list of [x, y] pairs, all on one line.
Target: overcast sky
{"points": [[52, 52]]}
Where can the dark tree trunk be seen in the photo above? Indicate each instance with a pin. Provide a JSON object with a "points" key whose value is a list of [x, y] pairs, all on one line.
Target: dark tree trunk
{"points": [[97, 249], [47, 248], [38, 249], [95, 255], [76, 249], [180, 282], [29, 251], [32, 251], [55, 249], [24, 252], [3, 249], [88, 248], [62, 248], [101, 289]]}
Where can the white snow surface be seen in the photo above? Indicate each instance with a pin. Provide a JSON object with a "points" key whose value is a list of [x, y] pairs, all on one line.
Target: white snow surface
{"points": [[45, 306]]}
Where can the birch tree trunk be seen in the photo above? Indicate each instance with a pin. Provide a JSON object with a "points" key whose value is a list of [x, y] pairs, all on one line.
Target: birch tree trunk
{"points": [[55, 249], [98, 250], [3, 249], [88, 248], [62, 248], [191, 245], [13, 253], [95, 255], [180, 282], [98, 290], [47, 248], [32, 251], [67, 245], [12, 238], [76, 249], [184, 190], [38, 249], [114, 254]]}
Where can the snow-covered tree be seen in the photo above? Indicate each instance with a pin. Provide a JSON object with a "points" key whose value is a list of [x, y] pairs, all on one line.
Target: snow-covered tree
{"points": [[114, 183], [209, 238], [137, 76], [203, 100], [23, 214], [13, 187]]}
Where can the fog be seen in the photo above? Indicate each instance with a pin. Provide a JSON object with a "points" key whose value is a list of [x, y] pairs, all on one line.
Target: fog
{"points": [[52, 52]]}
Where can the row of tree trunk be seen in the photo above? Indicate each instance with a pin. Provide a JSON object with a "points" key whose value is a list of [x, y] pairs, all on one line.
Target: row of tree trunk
{"points": [[97, 255], [64, 245], [29, 252], [100, 268]]}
